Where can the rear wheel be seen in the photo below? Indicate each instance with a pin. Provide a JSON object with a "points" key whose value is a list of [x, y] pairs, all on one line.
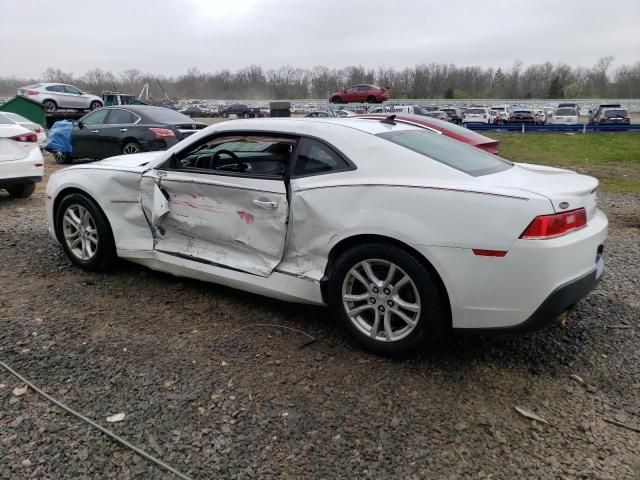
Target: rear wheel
{"points": [[131, 147], [84, 232], [61, 157], [21, 191], [386, 299], [371, 99], [336, 100], [49, 105], [95, 104], [246, 115]]}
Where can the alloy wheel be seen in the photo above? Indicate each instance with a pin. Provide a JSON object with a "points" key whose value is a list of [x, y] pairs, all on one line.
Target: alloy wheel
{"points": [[130, 148], [80, 232], [381, 300]]}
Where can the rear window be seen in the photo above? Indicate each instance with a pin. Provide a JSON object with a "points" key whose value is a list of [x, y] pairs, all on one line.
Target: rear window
{"points": [[476, 110], [566, 111], [523, 112], [453, 153], [616, 113], [165, 115]]}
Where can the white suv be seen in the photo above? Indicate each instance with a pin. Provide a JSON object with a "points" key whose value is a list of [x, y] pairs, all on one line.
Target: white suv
{"points": [[477, 115], [59, 95]]}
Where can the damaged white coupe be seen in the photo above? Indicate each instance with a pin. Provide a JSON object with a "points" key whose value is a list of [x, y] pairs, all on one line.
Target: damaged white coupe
{"points": [[401, 231]]}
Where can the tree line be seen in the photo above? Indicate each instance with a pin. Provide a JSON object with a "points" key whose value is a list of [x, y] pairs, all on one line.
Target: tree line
{"points": [[433, 80]]}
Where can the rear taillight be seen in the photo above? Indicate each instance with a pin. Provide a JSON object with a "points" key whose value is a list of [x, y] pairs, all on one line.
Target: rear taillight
{"points": [[32, 92], [25, 138], [162, 132], [550, 226]]}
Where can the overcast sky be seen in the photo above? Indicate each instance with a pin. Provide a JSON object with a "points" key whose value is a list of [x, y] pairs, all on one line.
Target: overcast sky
{"points": [[169, 36]]}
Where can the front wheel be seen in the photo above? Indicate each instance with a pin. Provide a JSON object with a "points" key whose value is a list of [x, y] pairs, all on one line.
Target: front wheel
{"points": [[386, 299], [84, 232], [336, 100], [95, 104], [62, 157], [246, 115], [21, 191]]}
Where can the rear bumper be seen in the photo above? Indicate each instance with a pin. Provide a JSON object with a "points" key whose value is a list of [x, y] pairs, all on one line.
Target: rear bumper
{"points": [[527, 288], [26, 170], [10, 182]]}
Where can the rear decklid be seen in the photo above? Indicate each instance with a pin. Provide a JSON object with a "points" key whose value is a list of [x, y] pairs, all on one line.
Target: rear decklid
{"points": [[565, 189]]}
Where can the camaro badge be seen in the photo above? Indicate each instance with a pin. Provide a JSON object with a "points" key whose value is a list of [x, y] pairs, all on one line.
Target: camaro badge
{"points": [[564, 205]]}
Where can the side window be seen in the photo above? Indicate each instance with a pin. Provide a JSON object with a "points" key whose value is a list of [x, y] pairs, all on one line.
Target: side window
{"points": [[352, 90], [315, 157], [72, 90], [242, 154], [55, 88], [95, 118], [363, 88], [120, 117]]}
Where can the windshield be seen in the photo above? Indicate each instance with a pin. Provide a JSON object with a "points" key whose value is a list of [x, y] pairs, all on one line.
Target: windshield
{"points": [[164, 115], [616, 113], [566, 111], [453, 153]]}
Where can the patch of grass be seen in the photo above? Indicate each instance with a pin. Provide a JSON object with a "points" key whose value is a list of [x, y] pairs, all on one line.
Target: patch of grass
{"points": [[611, 157]]}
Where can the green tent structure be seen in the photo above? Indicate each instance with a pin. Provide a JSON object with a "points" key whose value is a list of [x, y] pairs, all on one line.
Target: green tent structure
{"points": [[27, 108]]}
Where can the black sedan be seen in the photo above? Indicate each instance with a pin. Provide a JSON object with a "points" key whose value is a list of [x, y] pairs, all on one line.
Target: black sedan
{"points": [[127, 129], [523, 116]]}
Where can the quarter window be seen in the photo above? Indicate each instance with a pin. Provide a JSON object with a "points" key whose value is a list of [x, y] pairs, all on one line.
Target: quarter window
{"points": [[72, 90], [315, 157], [120, 117]]}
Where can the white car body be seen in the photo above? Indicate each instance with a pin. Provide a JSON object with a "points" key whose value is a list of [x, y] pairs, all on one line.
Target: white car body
{"points": [[64, 96], [477, 115], [503, 112], [565, 116], [26, 123], [449, 218], [21, 161]]}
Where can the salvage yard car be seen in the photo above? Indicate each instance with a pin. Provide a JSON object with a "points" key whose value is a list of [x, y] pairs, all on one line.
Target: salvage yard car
{"points": [[125, 130], [360, 94], [54, 96], [26, 123], [565, 116], [21, 162], [401, 231]]}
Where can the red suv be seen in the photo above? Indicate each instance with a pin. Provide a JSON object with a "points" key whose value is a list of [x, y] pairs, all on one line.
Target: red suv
{"points": [[361, 93]]}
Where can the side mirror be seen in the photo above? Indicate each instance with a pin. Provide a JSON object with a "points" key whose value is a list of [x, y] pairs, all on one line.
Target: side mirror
{"points": [[78, 124]]}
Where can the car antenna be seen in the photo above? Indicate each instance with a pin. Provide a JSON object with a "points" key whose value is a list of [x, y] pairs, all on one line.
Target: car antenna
{"points": [[390, 120]]}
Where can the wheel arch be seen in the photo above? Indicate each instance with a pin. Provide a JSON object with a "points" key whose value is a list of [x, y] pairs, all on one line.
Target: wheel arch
{"points": [[360, 239], [71, 190]]}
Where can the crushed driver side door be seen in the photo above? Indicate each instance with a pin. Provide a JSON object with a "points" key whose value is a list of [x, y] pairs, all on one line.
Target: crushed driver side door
{"points": [[233, 222]]}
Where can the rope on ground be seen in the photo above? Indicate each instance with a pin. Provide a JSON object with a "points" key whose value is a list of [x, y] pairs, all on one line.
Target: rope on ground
{"points": [[109, 433], [274, 325]]}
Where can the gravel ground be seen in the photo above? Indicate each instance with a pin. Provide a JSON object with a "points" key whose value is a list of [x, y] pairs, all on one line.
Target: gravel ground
{"points": [[218, 402]]}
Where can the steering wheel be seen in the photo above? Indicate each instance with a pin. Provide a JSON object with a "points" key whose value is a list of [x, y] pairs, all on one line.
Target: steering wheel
{"points": [[219, 153]]}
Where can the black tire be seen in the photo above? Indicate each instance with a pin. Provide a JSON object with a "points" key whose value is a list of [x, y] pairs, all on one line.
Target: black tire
{"points": [[95, 104], [62, 157], [429, 320], [105, 252], [131, 147], [50, 105], [371, 99], [336, 100], [246, 115], [21, 191]]}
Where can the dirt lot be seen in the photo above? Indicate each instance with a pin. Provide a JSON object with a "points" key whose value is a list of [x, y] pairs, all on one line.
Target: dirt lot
{"points": [[217, 397]]}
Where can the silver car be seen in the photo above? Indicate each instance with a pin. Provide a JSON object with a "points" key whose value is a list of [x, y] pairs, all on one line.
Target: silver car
{"points": [[59, 95]]}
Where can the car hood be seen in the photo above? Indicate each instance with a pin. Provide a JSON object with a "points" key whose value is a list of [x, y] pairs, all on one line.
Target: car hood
{"points": [[133, 161], [565, 189]]}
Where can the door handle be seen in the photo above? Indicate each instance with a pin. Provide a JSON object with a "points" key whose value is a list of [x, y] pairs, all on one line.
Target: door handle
{"points": [[95, 131], [123, 129], [265, 203]]}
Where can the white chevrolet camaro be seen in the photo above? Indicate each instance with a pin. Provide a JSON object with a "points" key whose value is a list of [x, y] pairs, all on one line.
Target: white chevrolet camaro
{"points": [[401, 231]]}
